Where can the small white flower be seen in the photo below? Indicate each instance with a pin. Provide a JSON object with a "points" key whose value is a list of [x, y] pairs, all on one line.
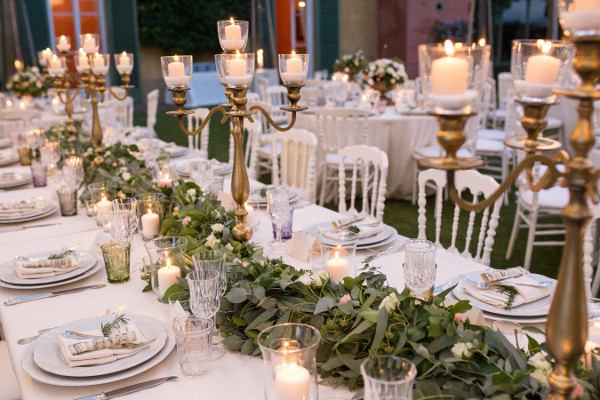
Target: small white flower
{"points": [[390, 302], [126, 176], [541, 377], [305, 278], [316, 280], [462, 350], [539, 362], [107, 154], [217, 214], [191, 193], [211, 240], [228, 247], [216, 228]]}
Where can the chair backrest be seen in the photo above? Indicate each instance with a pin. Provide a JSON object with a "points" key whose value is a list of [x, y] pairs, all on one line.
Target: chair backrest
{"points": [[341, 127], [295, 165], [124, 112], [276, 96], [478, 184], [252, 96], [370, 169], [260, 123], [262, 84], [151, 108], [321, 74], [505, 89], [485, 105], [198, 143], [592, 281]]}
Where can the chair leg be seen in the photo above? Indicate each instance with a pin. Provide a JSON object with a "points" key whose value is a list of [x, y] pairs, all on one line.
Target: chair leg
{"points": [[514, 233], [414, 183], [323, 186], [530, 239]]}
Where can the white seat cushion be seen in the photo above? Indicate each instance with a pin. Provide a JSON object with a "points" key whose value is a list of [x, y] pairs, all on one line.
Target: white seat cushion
{"points": [[554, 123], [555, 197], [489, 146], [9, 389], [491, 134], [436, 151]]}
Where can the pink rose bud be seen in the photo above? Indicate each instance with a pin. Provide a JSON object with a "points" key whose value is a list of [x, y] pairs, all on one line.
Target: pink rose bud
{"points": [[459, 318], [345, 298], [186, 221]]}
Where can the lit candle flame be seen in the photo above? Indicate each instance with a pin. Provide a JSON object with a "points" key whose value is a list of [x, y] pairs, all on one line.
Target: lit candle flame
{"points": [[449, 47], [293, 53], [54, 57], [337, 256], [175, 58], [89, 36], [124, 54], [482, 42], [104, 198], [546, 47], [232, 20], [82, 52], [149, 211]]}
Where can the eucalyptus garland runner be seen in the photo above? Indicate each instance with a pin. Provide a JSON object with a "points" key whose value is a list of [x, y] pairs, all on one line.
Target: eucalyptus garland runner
{"points": [[361, 318]]}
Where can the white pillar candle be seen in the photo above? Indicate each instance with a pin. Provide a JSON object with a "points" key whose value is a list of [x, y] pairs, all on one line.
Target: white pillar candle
{"points": [[237, 67], [252, 217], [449, 75], [55, 67], [47, 56], [542, 69], [63, 44], [337, 268], [98, 61], [233, 31], [83, 59], [124, 66], [292, 382], [293, 64], [124, 59], [583, 15], [167, 276], [294, 73], [150, 224], [18, 65], [176, 74], [89, 44], [104, 206]]}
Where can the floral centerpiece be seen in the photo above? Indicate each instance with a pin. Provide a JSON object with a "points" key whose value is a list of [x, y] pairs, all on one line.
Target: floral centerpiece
{"points": [[384, 74], [351, 64], [28, 82]]}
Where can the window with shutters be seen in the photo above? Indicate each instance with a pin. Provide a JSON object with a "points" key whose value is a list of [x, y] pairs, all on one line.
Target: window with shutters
{"points": [[75, 17]]}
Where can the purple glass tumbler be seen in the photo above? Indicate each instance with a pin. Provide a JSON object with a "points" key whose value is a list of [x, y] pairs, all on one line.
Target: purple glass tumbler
{"points": [[38, 174], [287, 228]]}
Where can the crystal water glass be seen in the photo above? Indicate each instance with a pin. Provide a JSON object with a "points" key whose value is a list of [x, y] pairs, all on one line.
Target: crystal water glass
{"points": [[388, 378], [129, 207], [201, 173], [205, 298], [122, 226], [419, 268], [193, 338], [72, 171], [278, 208]]}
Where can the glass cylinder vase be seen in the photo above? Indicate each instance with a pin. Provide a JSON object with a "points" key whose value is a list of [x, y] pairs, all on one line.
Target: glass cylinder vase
{"points": [[167, 260], [289, 353], [151, 212], [339, 254]]}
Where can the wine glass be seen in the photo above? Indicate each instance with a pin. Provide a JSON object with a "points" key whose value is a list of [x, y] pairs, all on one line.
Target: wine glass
{"points": [[205, 297], [128, 206], [201, 172], [278, 207]]}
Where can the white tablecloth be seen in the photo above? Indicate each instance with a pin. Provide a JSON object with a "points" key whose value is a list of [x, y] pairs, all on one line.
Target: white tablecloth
{"points": [[399, 136]]}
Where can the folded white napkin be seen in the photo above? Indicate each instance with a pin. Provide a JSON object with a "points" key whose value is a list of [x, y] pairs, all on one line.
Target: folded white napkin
{"points": [[69, 348], [349, 219], [43, 268], [368, 226], [493, 296]]}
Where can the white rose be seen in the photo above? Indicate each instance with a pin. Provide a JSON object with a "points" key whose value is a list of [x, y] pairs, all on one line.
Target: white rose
{"points": [[216, 228], [390, 302], [211, 240], [217, 214], [316, 280], [107, 154], [191, 193], [228, 247], [305, 278], [462, 350], [126, 176], [39, 85], [541, 377], [35, 70], [539, 361]]}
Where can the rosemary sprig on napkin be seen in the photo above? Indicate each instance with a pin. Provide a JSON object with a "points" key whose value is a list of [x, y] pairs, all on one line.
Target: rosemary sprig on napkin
{"points": [[354, 228], [63, 253], [109, 327], [511, 294]]}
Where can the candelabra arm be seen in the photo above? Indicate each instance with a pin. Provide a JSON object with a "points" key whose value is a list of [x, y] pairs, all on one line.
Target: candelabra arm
{"points": [[69, 98], [527, 163], [204, 122], [551, 174], [113, 94], [273, 123]]}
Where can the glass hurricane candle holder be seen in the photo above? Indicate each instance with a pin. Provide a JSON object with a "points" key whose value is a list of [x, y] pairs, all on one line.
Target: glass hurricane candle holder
{"points": [[289, 354], [100, 63], [57, 65], [177, 71], [124, 63], [167, 259], [90, 43], [219, 61], [63, 43], [579, 18], [339, 253], [151, 211], [293, 68], [82, 62], [42, 57], [538, 66], [388, 378], [239, 69], [233, 35], [452, 75]]}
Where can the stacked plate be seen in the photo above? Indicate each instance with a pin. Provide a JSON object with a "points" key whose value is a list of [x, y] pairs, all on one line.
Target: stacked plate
{"points": [[4, 143], [530, 313], [13, 179], [89, 265], [22, 211], [174, 150], [42, 362], [8, 158], [182, 169], [257, 199], [383, 238]]}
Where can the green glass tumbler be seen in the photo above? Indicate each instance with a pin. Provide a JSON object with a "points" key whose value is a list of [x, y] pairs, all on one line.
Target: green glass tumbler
{"points": [[116, 261]]}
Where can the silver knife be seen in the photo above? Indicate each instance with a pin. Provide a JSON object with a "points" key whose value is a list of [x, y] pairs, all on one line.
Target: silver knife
{"points": [[23, 227], [17, 300], [129, 389]]}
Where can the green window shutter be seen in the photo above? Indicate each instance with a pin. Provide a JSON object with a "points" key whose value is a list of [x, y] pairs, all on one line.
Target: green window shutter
{"points": [[264, 40], [34, 13], [122, 34], [327, 33]]}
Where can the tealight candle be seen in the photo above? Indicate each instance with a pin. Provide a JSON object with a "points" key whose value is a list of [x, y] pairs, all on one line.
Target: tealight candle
{"points": [[165, 180], [167, 276], [337, 267], [292, 382], [104, 207], [22, 105], [124, 65], [89, 44], [150, 225]]}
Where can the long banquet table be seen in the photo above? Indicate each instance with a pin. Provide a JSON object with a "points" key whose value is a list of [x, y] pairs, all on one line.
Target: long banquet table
{"points": [[233, 377]]}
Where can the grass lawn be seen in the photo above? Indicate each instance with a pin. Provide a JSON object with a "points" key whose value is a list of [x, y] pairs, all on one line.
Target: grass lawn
{"points": [[400, 214]]}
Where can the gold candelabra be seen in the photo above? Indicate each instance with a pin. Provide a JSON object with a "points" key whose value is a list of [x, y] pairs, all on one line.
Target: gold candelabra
{"points": [[93, 83], [236, 110], [566, 328]]}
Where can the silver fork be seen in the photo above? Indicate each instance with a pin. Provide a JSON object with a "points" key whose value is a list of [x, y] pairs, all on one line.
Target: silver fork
{"points": [[487, 285]]}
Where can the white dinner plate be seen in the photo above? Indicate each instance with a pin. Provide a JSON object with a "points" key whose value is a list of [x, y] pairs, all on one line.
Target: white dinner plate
{"points": [[538, 308], [97, 267], [368, 242], [4, 143], [175, 151], [13, 179], [8, 275], [47, 355], [262, 201], [222, 169], [518, 320], [8, 158], [40, 375], [46, 210]]}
